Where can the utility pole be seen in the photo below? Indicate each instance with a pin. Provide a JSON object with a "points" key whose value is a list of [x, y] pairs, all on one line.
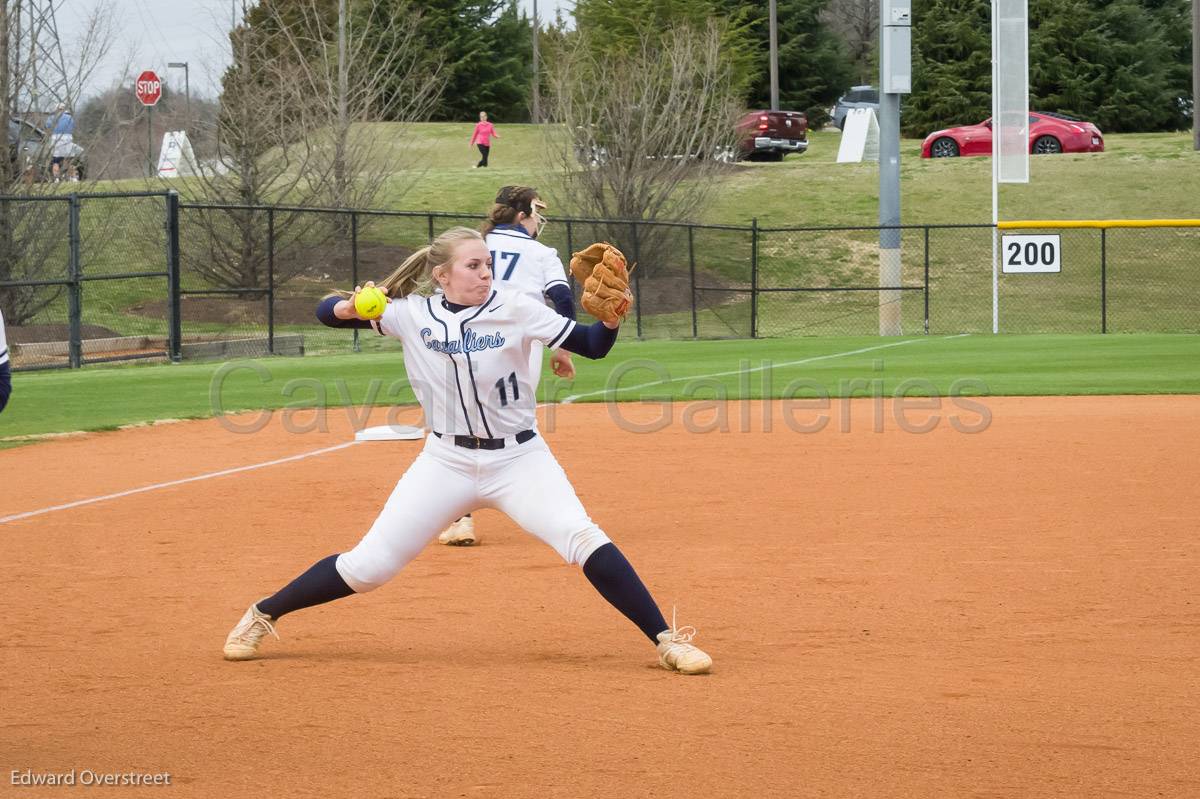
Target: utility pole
{"points": [[1196, 74], [187, 87], [895, 78], [774, 25], [340, 173], [537, 101], [6, 169], [343, 82]]}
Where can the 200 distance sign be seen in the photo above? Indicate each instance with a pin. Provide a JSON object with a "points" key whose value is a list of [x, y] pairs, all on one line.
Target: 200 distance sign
{"points": [[1022, 254]]}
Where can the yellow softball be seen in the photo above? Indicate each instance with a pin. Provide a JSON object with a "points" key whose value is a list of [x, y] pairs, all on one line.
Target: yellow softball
{"points": [[370, 302]]}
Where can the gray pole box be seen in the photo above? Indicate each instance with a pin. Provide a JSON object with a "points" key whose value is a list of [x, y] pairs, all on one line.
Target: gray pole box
{"points": [[895, 57]]}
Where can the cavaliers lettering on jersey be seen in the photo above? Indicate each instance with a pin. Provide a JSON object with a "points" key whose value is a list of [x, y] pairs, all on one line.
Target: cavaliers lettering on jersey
{"points": [[522, 263], [470, 369]]}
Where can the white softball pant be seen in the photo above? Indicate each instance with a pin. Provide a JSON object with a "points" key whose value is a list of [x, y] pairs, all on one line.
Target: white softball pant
{"points": [[447, 481]]}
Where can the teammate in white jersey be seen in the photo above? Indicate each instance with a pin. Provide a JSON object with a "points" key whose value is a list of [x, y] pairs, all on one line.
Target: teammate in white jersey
{"points": [[467, 354], [5, 369], [522, 263]]}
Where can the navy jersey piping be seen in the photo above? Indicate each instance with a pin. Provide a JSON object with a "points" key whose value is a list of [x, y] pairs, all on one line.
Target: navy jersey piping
{"points": [[470, 368], [514, 235], [462, 401], [562, 334]]}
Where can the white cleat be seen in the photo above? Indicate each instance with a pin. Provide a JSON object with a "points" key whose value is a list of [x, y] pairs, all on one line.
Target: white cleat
{"points": [[677, 653], [459, 534], [244, 638]]}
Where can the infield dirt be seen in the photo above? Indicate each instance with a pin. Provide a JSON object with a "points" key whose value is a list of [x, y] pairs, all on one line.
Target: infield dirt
{"points": [[1006, 613]]}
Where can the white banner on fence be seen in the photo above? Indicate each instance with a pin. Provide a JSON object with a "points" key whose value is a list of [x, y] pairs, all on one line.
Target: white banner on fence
{"points": [[176, 158]]}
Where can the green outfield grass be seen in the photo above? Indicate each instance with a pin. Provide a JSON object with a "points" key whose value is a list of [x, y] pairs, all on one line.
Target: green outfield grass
{"points": [[1151, 273], [100, 398], [1139, 176]]}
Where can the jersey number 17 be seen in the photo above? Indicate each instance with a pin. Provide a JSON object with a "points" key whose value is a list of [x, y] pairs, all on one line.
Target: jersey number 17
{"points": [[511, 257]]}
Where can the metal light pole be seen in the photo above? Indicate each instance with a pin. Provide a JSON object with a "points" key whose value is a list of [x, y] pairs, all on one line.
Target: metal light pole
{"points": [[537, 101], [774, 26], [187, 88], [1196, 74], [895, 78]]}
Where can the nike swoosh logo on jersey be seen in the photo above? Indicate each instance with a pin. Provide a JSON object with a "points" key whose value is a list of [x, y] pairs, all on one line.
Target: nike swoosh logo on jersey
{"points": [[498, 307]]}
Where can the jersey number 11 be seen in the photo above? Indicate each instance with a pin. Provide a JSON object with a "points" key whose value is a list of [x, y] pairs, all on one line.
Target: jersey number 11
{"points": [[512, 378]]}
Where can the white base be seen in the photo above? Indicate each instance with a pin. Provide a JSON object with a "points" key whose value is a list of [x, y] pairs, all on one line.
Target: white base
{"points": [[387, 432]]}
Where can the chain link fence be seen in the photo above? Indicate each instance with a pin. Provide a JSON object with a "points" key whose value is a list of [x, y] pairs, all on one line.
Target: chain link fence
{"points": [[101, 277], [74, 271]]}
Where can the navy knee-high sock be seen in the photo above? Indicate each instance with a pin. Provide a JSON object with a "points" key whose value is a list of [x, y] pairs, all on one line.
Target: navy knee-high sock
{"points": [[613, 576], [320, 584]]}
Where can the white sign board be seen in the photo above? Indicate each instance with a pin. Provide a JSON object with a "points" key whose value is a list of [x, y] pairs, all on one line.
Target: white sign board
{"points": [[176, 158], [1023, 254], [860, 137]]}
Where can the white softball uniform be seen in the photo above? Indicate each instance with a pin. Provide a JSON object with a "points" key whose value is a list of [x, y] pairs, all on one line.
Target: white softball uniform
{"points": [[470, 370], [522, 263], [3, 341]]}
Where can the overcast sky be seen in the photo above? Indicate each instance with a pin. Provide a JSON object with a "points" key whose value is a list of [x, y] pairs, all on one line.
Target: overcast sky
{"points": [[148, 34]]}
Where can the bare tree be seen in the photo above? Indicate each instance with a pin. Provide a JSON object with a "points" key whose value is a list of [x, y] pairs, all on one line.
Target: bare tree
{"points": [[293, 131], [375, 68], [641, 134], [33, 232], [858, 23]]}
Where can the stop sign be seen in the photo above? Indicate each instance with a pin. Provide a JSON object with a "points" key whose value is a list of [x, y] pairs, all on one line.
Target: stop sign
{"points": [[148, 88]]}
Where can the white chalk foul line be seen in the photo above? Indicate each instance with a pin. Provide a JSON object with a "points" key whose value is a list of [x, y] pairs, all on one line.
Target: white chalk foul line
{"points": [[802, 361], [156, 486]]}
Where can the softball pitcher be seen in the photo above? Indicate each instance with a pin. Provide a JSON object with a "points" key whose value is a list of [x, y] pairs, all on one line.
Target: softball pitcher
{"points": [[522, 263], [467, 353]]}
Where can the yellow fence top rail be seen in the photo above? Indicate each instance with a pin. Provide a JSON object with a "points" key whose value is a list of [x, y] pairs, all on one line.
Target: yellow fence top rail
{"points": [[1019, 224]]}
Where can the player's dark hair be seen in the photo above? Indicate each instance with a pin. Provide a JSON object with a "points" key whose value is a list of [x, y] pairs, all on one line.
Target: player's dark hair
{"points": [[510, 201], [415, 275]]}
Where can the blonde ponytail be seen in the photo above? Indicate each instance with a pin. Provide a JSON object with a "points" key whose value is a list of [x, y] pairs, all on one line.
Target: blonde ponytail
{"points": [[415, 275]]}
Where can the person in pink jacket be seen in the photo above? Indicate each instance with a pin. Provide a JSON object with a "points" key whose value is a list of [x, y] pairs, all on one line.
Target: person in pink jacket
{"points": [[482, 137]]}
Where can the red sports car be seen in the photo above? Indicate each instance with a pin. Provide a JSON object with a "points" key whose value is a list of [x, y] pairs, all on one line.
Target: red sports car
{"points": [[1048, 133]]}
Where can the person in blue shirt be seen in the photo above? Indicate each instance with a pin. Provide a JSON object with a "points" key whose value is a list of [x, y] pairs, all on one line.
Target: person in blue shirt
{"points": [[62, 139]]}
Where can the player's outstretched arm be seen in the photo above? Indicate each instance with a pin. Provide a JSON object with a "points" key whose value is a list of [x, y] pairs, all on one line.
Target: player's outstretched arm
{"points": [[593, 341], [340, 312]]}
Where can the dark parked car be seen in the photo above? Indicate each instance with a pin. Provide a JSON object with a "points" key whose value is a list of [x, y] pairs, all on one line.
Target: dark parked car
{"points": [[1048, 133], [857, 97], [29, 151], [770, 135]]}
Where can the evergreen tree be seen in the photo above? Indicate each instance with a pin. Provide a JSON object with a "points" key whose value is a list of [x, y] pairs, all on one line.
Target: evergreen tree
{"points": [[952, 65], [814, 67], [505, 92], [484, 48], [1113, 63], [1122, 64], [618, 26]]}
